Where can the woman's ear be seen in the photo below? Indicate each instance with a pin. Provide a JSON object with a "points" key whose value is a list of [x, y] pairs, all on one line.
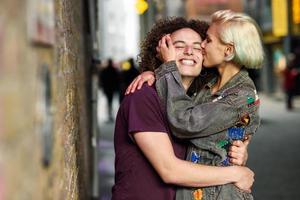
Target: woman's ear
{"points": [[229, 52]]}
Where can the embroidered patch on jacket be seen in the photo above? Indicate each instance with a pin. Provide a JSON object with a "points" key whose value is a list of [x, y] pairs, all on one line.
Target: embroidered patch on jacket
{"points": [[245, 119], [197, 194], [250, 100], [222, 143], [226, 162], [236, 133], [195, 157], [255, 103]]}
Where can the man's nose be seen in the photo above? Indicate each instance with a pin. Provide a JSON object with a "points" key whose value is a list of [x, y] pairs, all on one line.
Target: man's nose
{"points": [[188, 50]]}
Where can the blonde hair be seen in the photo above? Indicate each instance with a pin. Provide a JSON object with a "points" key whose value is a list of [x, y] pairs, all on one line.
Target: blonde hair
{"points": [[243, 33]]}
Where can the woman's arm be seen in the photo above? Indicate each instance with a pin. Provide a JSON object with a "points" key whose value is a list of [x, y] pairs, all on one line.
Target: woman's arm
{"points": [[158, 149], [189, 119]]}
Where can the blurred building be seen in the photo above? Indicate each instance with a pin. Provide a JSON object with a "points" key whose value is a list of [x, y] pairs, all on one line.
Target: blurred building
{"points": [[279, 21], [118, 32], [280, 24]]}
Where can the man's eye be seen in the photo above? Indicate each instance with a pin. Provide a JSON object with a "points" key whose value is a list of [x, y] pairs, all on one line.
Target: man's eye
{"points": [[197, 48]]}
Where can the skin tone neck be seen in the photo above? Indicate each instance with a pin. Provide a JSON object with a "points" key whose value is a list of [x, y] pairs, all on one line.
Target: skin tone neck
{"points": [[226, 71], [186, 82]]}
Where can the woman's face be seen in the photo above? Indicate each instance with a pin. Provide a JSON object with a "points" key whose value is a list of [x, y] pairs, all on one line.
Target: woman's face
{"points": [[213, 49], [188, 50]]}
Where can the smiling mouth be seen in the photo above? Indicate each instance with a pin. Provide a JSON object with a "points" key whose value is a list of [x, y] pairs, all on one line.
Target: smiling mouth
{"points": [[187, 62]]}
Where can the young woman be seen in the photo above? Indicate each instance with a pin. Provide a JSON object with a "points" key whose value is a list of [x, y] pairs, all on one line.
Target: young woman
{"points": [[149, 161], [233, 44]]}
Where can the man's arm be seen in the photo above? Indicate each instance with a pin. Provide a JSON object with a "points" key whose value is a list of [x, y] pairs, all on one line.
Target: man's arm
{"points": [[158, 149]]}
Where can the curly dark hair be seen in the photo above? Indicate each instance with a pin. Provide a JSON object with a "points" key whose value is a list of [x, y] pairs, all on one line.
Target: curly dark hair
{"points": [[147, 58]]}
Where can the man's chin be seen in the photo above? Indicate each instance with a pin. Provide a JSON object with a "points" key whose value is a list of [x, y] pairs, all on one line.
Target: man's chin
{"points": [[209, 66]]}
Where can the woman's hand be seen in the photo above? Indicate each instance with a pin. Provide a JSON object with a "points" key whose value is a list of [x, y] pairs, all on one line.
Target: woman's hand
{"points": [[165, 49], [238, 152], [138, 82]]}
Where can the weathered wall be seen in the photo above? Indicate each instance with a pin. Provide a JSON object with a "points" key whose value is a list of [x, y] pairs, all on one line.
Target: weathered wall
{"points": [[22, 175], [71, 81]]}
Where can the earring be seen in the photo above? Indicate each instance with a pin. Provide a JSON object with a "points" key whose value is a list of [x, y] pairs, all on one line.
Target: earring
{"points": [[229, 58]]}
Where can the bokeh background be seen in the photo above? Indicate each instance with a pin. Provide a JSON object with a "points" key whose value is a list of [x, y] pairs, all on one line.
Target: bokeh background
{"points": [[64, 65]]}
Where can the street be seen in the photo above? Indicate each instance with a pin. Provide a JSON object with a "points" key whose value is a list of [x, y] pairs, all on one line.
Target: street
{"points": [[272, 153]]}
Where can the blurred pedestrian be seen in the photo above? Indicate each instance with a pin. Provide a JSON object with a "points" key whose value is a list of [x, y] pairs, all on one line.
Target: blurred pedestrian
{"points": [[128, 73], [110, 82], [289, 83]]}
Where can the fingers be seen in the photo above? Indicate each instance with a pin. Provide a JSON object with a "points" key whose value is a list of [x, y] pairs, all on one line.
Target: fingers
{"points": [[132, 85], [237, 143], [163, 45], [169, 41], [237, 158], [236, 161], [135, 84], [247, 140], [151, 81], [238, 153]]}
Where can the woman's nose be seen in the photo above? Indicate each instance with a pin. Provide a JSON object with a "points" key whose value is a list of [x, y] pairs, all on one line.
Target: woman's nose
{"points": [[203, 43]]}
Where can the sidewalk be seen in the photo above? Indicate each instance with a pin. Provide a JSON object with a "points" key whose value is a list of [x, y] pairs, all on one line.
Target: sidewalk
{"points": [[273, 151], [105, 147]]}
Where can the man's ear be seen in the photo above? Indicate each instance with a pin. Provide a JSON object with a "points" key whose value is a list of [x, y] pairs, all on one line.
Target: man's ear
{"points": [[229, 52]]}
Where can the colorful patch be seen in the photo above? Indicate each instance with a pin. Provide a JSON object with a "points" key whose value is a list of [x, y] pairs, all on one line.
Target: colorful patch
{"points": [[226, 162], [245, 120], [255, 103], [250, 100], [222, 143], [236, 133], [198, 194], [195, 157]]}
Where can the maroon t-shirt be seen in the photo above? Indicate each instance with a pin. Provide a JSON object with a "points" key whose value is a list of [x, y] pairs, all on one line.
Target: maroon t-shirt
{"points": [[135, 178]]}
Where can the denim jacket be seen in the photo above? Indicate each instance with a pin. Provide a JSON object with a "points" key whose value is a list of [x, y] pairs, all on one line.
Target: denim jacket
{"points": [[210, 122]]}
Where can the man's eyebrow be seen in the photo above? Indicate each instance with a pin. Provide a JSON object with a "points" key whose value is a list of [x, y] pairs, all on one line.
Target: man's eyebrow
{"points": [[180, 41], [197, 43]]}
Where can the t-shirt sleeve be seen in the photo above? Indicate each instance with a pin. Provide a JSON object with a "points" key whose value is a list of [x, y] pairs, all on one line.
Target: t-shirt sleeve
{"points": [[144, 112]]}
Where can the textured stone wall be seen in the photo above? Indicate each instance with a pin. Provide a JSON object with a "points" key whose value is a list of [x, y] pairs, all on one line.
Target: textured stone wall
{"points": [[72, 103], [22, 175]]}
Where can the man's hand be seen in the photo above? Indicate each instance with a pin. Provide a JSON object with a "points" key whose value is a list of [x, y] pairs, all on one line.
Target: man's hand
{"points": [[138, 82], [245, 178]]}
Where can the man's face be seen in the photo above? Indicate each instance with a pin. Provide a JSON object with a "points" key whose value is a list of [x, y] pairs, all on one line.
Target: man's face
{"points": [[189, 57]]}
